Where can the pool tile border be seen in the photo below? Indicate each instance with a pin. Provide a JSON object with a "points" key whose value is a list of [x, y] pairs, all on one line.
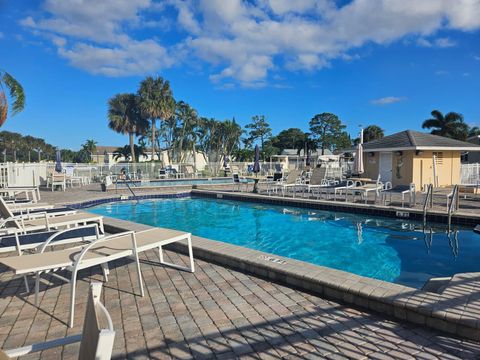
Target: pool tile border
{"points": [[91, 203]]}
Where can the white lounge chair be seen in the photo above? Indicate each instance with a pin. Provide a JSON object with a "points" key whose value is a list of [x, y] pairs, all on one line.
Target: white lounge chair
{"points": [[98, 252], [11, 224], [20, 242], [401, 190], [96, 339], [293, 179], [32, 212], [29, 193], [364, 190]]}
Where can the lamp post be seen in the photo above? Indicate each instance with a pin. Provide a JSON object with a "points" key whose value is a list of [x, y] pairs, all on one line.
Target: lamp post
{"points": [[39, 151]]}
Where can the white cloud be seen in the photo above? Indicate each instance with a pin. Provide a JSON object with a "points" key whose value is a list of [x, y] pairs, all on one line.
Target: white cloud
{"points": [[247, 41], [443, 42], [476, 57], [388, 100], [1, 35]]}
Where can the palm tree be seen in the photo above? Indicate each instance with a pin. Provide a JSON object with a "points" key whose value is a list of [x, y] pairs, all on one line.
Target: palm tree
{"points": [[90, 147], [124, 117], [16, 94], [187, 116], [450, 125], [372, 132], [156, 103]]}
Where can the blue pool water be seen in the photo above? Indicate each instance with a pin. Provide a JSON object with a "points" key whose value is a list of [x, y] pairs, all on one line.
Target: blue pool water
{"points": [[212, 181], [382, 248]]}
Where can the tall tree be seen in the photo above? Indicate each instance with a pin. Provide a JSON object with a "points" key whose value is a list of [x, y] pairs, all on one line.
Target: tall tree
{"points": [[288, 139], [259, 129], [15, 93], [124, 117], [474, 131], [89, 147], [187, 118], [156, 103], [450, 125], [327, 128], [372, 132]]}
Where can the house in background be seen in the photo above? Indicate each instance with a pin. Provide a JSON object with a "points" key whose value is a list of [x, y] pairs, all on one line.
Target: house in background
{"points": [[472, 157], [415, 157], [292, 159], [106, 155]]}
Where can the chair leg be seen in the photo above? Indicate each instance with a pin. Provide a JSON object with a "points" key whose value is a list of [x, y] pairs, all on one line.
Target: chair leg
{"points": [[139, 273], [37, 287], [190, 254], [73, 284]]}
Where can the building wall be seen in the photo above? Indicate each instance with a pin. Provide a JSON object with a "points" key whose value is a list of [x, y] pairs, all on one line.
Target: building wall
{"points": [[409, 167], [448, 168]]}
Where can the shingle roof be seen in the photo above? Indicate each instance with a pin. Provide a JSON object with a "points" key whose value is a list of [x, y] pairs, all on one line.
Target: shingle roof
{"points": [[415, 140]]}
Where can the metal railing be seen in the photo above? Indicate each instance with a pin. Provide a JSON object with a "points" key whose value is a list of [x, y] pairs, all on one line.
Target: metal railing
{"points": [[453, 205], [428, 203]]}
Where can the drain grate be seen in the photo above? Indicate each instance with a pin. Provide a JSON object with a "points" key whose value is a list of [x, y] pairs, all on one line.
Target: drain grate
{"points": [[272, 259]]}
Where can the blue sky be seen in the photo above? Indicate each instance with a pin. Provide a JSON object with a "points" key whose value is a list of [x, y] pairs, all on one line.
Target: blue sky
{"points": [[370, 62]]}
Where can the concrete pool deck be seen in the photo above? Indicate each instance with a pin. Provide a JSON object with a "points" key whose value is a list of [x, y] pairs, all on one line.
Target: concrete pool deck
{"points": [[456, 310]]}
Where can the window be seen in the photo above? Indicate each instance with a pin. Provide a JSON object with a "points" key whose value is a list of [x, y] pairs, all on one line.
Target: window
{"points": [[438, 157]]}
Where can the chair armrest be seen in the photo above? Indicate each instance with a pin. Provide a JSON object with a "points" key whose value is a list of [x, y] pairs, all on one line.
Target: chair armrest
{"points": [[43, 346]]}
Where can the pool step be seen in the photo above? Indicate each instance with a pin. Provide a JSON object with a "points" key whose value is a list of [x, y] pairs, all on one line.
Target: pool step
{"points": [[437, 285]]}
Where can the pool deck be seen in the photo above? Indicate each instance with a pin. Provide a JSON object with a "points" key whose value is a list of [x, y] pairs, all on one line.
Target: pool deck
{"points": [[243, 303]]}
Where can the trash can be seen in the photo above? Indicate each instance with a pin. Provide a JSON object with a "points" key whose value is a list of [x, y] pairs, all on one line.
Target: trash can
{"points": [[103, 186]]}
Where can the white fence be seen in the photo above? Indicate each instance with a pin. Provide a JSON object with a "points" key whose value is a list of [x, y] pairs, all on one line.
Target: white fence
{"points": [[470, 173], [33, 174]]}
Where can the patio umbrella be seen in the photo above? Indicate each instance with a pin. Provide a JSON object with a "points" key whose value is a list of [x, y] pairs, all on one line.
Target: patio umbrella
{"points": [[106, 158], [58, 161], [256, 162], [358, 161], [225, 161], [308, 159]]}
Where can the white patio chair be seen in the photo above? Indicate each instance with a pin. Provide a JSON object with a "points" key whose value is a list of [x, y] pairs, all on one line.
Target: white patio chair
{"points": [[98, 252], [96, 339]]}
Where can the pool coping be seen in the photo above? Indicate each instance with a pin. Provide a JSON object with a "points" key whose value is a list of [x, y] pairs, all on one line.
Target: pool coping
{"points": [[406, 213]]}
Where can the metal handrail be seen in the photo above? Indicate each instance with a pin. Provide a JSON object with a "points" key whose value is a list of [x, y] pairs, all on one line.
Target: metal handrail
{"points": [[428, 200], [453, 206]]}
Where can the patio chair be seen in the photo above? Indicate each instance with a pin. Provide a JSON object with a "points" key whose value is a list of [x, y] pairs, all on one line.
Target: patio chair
{"points": [[20, 242], [293, 179], [239, 181], [96, 339], [10, 224], [364, 190], [98, 252], [29, 193], [318, 179], [59, 180], [189, 171], [400, 190], [334, 188]]}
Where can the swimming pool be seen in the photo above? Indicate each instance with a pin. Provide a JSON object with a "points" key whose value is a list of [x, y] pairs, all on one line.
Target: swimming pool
{"points": [[382, 248], [176, 182]]}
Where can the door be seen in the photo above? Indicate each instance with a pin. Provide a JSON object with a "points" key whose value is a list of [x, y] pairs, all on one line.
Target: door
{"points": [[385, 167]]}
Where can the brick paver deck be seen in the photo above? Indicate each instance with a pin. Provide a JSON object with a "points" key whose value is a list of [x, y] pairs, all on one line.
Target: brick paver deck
{"points": [[215, 313]]}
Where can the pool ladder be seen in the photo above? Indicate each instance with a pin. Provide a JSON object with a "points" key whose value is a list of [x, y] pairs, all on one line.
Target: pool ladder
{"points": [[453, 206], [129, 188], [428, 203]]}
